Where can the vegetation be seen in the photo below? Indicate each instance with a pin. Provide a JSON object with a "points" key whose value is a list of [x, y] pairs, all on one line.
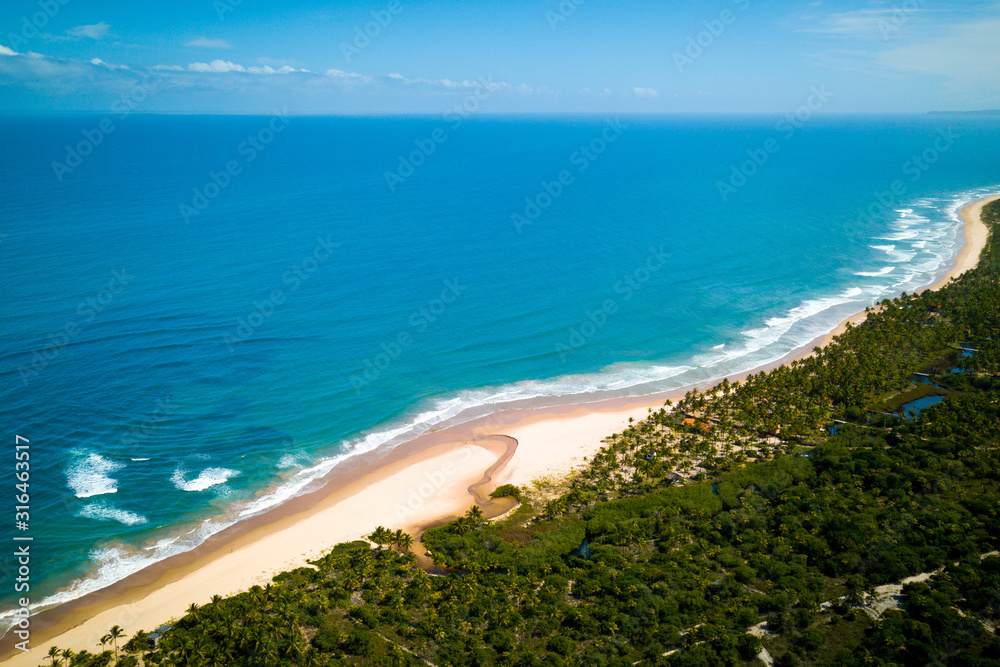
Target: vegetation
{"points": [[507, 491], [732, 524]]}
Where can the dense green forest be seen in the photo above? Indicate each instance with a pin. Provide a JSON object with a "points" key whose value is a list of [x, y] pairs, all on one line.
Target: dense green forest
{"points": [[770, 519]]}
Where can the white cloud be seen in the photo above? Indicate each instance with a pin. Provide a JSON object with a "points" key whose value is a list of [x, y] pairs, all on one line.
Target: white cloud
{"points": [[96, 31], [967, 52], [267, 69], [224, 66], [100, 63], [353, 76], [483, 82], [206, 43], [876, 23], [4, 51], [646, 92], [216, 66]]}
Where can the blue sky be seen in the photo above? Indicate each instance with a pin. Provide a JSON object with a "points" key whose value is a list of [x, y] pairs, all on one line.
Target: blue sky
{"points": [[425, 56]]}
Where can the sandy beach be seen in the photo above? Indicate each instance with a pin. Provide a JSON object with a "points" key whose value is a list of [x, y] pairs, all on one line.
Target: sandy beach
{"points": [[423, 482], [975, 235]]}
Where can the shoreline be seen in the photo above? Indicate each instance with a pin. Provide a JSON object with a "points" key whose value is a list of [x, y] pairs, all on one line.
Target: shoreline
{"points": [[425, 481], [974, 234]]}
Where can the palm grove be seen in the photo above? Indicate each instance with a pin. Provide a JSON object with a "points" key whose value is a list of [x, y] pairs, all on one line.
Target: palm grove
{"points": [[732, 526]]}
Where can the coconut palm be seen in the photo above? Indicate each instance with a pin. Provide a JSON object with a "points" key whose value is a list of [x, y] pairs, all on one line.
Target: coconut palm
{"points": [[381, 536], [461, 525], [403, 540], [475, 515], [114, 635]]}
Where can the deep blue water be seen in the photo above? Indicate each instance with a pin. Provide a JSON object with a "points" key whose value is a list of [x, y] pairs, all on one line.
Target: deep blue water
{"points": [[175, 375]]}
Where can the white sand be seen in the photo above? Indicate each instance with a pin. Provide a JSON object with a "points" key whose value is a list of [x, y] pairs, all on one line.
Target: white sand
{"points": [[416, 490]]}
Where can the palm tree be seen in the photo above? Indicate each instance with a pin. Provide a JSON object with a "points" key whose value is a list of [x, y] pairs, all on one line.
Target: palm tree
{"points": [[380, 536], [139, 642], [475, 515], [53, 655], [462, 525], [114, 635], [402, 540]]}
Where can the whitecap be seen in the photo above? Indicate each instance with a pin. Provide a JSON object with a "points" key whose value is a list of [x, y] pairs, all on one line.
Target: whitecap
{"points": [[875, 274], [905, 235], [108, 512], [796, 327], [902, 257], [89, 474], [206, 479], [288, 461]]}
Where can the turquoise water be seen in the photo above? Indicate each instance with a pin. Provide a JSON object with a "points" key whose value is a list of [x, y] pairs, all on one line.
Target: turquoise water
{"points": [[181, 360]]}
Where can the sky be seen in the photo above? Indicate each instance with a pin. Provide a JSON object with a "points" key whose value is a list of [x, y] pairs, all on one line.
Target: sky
{"points": [[498, 56]]}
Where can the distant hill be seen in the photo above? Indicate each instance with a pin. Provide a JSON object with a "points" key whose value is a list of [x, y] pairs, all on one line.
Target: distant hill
{"points": [[983, 112]]}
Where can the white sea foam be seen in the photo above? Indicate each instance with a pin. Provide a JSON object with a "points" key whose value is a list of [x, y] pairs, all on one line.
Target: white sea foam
{"points": [[108, 512], [874, 274], [206, 479], [288, 461], [140, 459], [779, 335], [901, 236], [89, 474], [901, 257]]}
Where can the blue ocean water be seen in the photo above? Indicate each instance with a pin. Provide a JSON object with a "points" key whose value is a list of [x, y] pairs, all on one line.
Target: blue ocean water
{"points": [[201, 315]]}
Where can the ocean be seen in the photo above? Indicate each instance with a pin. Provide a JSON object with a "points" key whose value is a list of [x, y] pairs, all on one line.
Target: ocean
{"points": [[204, 314]]}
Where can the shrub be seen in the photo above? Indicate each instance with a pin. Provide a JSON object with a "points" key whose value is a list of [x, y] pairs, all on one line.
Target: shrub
{"points": [[507, 491]]}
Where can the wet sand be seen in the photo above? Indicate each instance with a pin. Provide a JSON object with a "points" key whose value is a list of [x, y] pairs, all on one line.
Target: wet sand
{"points": [[426, 481]]}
